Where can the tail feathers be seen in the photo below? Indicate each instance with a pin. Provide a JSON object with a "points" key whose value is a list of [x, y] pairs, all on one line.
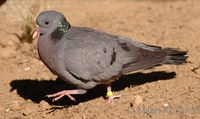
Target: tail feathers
{"points": [[175, 56], [156, 58]]}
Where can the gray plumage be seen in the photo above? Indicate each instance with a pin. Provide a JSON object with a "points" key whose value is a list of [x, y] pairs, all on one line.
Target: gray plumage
{"points": [[86, 57]]}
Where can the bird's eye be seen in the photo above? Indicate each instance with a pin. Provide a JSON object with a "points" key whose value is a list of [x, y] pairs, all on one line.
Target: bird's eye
{"points": [[46, 23]]}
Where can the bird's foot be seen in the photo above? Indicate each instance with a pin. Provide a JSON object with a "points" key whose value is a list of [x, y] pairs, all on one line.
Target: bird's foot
{"points": [[111, 97], [63, 93]]}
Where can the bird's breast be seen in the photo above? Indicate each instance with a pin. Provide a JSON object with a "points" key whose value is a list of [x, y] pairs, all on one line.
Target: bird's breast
{"points": [[47, 53]]}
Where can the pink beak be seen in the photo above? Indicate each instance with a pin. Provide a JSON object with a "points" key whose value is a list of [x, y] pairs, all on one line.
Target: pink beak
{"points": [[36, 33]]}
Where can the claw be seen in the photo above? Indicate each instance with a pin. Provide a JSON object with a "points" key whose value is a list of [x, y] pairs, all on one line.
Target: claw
{"points": [[61, 94], [112, 97]]}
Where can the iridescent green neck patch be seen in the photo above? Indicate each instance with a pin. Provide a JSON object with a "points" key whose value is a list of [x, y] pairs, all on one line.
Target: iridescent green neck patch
{"points": [[63, 27]]}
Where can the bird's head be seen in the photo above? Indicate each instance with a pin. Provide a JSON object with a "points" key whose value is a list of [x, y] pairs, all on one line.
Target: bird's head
{"points": [[51, 23]]}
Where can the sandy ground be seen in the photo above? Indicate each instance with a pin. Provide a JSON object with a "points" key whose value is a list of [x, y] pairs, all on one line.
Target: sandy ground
{"points": [[158, 93]]}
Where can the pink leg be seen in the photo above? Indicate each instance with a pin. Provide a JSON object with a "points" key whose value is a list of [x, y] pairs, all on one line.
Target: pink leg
{"points": [[68, 93], [110, 96]]}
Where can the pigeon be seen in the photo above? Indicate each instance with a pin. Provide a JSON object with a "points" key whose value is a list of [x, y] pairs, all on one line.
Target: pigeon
{"points": [[86, 57]]}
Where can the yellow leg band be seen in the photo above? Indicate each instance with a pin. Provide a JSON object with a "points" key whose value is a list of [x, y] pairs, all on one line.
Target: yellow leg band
{"points": [[109, 93]]}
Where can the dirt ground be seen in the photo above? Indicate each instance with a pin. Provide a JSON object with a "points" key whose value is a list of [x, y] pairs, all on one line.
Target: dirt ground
{"points": [[158, 93]]}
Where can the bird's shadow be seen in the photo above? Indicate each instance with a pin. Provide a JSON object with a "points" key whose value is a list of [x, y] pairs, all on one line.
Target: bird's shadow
{"points": [[2, 2], [36, 90]]}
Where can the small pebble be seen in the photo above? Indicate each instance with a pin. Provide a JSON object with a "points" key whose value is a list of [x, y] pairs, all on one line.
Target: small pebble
{"points": [[41, 63], [44, 105], [138, 100], [126, 89], [7, 110], [165, 105], [27, 68], [26, 111], [29, 100], [76, 107], [80, 104]]}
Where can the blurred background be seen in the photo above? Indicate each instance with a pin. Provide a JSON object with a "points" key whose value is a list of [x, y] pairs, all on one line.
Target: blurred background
{"points": [[24, 80]]}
